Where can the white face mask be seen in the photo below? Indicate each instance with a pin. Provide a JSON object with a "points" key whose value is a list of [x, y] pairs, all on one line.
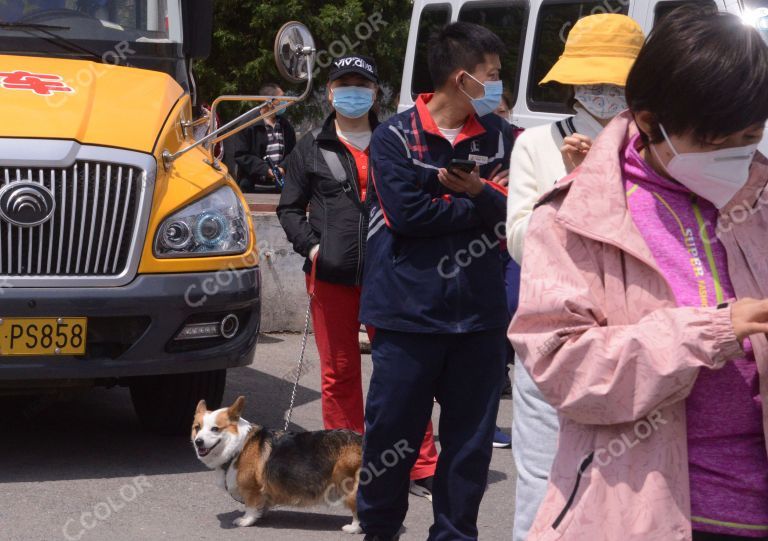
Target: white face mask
{"points": [[716, 175], [601, 101]]}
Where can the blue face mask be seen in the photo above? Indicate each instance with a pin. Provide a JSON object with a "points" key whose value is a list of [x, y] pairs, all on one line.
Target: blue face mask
{"points": [[277, 103], [352, 101], [491, 100]]}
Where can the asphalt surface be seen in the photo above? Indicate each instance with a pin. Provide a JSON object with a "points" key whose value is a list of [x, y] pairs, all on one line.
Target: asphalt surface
{"points": [[87, 455]]}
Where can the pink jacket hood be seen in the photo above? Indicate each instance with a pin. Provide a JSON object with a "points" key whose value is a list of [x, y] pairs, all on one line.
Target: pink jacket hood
{"points": [[599, 331]]}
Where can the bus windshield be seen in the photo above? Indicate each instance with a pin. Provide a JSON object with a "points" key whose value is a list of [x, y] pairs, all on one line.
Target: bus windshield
{"points": [[95, 30], [130, 20]]}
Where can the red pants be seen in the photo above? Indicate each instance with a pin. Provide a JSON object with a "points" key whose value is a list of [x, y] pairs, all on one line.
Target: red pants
{"points": [[335, 317]]}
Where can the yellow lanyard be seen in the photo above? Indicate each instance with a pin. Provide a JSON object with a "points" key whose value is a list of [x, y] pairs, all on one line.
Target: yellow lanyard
{"points": [[707, 248]]}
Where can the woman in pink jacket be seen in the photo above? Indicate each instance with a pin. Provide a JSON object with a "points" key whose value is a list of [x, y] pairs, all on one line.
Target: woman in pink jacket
{"points": [[637, 317]]}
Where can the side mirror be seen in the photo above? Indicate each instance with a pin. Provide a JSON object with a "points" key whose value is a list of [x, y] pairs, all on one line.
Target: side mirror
{"points": [[197, 17], [294, 52]]}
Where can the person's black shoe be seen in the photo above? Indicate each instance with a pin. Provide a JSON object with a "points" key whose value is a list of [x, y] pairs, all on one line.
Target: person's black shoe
{"points": [[370, 537]]}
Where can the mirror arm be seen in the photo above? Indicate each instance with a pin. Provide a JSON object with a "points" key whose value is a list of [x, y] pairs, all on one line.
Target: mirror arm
{"points": [[217, 101], [268, 99], [216, 136], [169, 158]]}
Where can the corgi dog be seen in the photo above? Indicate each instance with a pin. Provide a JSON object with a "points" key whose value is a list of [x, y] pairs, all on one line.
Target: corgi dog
{"points": [[263, 468]]}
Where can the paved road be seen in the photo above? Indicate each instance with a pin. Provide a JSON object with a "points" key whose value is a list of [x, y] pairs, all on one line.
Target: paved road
{"points": [[87, 455]]}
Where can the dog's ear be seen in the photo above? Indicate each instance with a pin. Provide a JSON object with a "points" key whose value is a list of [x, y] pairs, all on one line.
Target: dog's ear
{"points": [[201, 407], [235, 410]]}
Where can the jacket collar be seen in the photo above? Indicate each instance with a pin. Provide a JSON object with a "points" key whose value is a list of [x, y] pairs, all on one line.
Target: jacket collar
{"points": [[472, 127], [328, 131], [596, 203]]}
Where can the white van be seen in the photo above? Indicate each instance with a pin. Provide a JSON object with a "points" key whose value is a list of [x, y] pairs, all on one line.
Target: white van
{"points": [[534, 32]]}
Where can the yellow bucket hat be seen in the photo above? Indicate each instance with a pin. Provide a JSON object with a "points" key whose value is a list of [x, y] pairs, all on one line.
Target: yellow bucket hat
{"points": [[600, 49]]}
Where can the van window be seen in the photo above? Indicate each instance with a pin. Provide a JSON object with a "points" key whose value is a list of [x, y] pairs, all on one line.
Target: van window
{"points": [[757, 15], [665, 8], [508, 21], [555, 20], [433, 18]]}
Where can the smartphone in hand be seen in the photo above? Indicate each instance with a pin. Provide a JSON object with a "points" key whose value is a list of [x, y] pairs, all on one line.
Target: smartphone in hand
{"points": [[466, 166]]}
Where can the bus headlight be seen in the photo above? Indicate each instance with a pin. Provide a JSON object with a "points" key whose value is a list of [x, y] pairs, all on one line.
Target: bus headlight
{"points": [[215, 225]]}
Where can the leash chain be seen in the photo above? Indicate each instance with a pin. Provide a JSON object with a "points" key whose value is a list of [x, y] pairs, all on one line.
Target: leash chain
{"points": [[298, 368]]}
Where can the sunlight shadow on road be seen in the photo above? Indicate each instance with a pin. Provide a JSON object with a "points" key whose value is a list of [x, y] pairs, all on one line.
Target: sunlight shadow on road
{"points": [[95, 434], [496, 477], [286, 519]]}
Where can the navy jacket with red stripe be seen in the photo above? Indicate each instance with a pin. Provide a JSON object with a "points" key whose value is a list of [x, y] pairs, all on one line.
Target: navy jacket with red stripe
{"points": [[434, 259]]}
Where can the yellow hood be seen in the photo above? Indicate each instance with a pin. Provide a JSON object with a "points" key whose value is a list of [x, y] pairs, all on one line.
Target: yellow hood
{"points": [[93, 103]]}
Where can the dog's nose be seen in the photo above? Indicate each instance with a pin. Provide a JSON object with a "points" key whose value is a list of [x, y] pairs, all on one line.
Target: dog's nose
{"points": [[199, 442]]}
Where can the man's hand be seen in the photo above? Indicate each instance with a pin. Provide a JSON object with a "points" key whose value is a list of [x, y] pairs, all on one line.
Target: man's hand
{"points": [[500, 177], [270, 174], [749, 316], [574, 150], [461, 182]]}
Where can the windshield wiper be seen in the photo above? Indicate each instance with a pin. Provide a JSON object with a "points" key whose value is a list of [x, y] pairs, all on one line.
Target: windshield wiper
{"points": [[47, 29], [31, 26]]}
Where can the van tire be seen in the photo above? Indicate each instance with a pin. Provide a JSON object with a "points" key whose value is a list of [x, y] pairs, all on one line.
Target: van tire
{"points": [[166, 404]]}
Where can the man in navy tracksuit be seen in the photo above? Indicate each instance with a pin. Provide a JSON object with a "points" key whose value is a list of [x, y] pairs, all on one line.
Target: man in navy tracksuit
{"points": [[434, 289]]}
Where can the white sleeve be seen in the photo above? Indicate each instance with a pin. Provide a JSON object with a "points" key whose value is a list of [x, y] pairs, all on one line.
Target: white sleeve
{"points": [[523, 194]]}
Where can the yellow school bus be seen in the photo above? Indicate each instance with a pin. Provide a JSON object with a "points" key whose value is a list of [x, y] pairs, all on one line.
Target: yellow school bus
{"points": [[127, 253]]}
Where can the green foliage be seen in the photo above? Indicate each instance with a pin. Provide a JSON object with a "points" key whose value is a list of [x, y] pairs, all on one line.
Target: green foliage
{"points": [[244, 32]]}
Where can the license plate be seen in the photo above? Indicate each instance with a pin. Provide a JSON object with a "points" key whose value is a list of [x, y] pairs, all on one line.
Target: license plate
{"points": [[43, 336]]}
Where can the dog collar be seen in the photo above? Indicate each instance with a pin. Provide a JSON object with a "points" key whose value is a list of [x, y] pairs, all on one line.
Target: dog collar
{"points": [[227, 464]]}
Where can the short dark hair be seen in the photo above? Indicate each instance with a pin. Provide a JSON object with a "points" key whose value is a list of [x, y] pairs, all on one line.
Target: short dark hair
{"points": [[460, 46], [269, 89], [507, 97], [701, 71]]}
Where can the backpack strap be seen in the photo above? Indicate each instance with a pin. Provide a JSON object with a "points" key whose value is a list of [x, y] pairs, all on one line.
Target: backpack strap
{"points": [[338, 172]]}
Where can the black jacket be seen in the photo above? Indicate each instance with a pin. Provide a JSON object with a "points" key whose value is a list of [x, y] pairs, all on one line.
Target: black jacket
{"points": [[337, 221], [251, 149]]}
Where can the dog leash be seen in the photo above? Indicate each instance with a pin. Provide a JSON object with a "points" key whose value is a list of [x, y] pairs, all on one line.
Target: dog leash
{"points": [[311, 294]]}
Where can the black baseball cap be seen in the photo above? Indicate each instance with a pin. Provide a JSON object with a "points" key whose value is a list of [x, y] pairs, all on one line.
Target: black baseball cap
{"points": [[357, 64]]}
